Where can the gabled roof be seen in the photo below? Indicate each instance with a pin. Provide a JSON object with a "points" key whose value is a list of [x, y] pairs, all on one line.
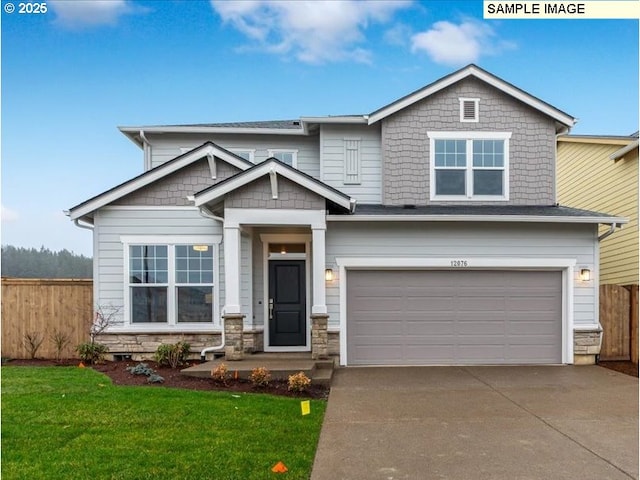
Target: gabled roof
{"points": [[272, 165], [477, 72], [209, 148]]}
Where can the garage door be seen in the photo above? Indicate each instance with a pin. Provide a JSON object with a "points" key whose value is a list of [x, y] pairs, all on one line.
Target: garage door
{"points": [[418, 317]]}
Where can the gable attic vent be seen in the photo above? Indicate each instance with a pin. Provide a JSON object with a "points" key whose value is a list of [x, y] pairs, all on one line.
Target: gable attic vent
{"points": [[469, 109]]}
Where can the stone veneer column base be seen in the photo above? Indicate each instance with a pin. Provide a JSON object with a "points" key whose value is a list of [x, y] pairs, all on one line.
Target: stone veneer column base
{"points": [[586, 345], [233, 332], [319, 336]]}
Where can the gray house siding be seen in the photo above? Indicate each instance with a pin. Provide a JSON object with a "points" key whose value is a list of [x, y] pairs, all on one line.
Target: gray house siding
{"points": [[464, 240], [405, 144], [332, 148], [258, 194], [167, 146], [174, 189]]}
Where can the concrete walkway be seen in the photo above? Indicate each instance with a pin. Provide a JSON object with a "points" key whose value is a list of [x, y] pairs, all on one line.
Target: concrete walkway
{"points": [[560, 422]]}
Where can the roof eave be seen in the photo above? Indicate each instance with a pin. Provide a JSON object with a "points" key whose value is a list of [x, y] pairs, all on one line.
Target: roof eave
{"points": [[478, 218], [195, 129], [623, 151]]}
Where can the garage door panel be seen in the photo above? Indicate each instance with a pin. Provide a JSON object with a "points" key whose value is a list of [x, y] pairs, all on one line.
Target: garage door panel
{"points": [[453, 317]]}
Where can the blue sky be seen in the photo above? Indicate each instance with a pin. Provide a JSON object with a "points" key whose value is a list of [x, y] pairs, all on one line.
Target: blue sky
{"points": [[72, 75]]}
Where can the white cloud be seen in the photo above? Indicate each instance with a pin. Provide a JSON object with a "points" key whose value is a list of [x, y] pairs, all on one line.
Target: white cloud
{"points": [[89, 13], [9, 215], [452, 44], [311, 31]]}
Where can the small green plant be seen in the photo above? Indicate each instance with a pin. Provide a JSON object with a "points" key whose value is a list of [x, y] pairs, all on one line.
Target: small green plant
{"points": [[299, 382], [260, 377], [172, 355], [91, 352], [219, 373], [32, 341], [60, 341], [146, 370]]}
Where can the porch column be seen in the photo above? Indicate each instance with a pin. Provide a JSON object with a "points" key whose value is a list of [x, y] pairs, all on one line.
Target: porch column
{"points": [[233, 318], [319, 293], [232, 269]]}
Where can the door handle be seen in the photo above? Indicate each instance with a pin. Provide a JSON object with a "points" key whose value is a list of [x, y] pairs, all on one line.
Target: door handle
{"points": [[270, 308]]}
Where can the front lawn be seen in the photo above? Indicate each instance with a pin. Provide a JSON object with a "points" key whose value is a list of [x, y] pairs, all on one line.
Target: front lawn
{"points": [[72, 423]]}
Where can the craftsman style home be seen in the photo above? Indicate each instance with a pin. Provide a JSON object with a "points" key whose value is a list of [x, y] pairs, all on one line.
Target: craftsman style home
{"points": [[424, 233]]}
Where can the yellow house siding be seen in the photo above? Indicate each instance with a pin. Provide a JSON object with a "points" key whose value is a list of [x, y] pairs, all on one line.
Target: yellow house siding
{"points": [[589, 179]]}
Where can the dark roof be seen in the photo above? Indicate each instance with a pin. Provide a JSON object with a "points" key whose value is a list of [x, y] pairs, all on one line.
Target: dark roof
{"points": [[480, 210], [281, 124]]}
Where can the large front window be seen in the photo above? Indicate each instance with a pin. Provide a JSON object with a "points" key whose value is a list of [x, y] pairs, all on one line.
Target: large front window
{"points": [[468, 166], [171, 284]]}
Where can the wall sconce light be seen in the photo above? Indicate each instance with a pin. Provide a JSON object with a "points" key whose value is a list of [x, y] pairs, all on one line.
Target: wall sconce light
{"points": [[283, 250], [585, 274], [328, 275]]}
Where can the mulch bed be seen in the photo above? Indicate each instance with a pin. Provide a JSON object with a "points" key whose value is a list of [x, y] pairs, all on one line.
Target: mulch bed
{"points": [[627, 368], [119, 375]]}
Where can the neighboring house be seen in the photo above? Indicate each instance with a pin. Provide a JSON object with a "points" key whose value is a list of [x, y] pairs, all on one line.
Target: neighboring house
{"points": [[601, 173], [426, 232]]}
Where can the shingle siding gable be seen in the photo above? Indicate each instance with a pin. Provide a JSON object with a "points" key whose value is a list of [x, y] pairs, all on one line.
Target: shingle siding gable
{"points": [[405, 144], [174, 189]]}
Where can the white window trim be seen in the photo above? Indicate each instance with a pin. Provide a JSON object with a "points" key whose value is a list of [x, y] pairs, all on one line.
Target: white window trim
{"points": [[273, 151], [476, 107], [172, 325], [358, 180], [250, 151], [469, 137]]}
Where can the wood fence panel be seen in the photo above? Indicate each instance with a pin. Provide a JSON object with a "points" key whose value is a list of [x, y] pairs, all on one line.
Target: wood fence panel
{"points": [[634, 323], [42, 307], [615, 302]]}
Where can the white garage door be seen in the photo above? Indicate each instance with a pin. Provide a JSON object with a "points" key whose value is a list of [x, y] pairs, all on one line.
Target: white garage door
{"points": [[419, 317]]}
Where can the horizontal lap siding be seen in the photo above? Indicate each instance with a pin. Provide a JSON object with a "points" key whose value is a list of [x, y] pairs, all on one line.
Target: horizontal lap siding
{"points": [[369, 190], [589, 179], [169, 146], [455, 240], [112, 224]]}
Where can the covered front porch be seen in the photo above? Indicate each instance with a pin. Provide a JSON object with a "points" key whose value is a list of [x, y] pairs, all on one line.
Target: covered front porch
{"points": [[274, 225]]}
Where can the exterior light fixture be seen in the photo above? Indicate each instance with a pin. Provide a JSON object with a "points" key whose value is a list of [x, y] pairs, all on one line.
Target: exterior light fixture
{"points": [[585, 274], [283, 250], [328, 275]]}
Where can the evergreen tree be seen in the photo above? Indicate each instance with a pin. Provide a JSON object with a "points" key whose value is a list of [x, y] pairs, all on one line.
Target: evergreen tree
{"points": [[31, 263]]}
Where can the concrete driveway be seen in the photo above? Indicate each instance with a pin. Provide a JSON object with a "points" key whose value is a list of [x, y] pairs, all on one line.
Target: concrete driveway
{"points": [[560, 422]]}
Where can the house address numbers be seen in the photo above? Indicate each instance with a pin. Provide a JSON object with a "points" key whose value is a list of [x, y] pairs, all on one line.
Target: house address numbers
{"points": [[459, 263]]}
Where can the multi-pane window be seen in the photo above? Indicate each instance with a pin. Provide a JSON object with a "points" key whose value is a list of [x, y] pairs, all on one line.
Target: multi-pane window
{"points": [[246, 154], [469, 168], [290, 157], [171, 283]]}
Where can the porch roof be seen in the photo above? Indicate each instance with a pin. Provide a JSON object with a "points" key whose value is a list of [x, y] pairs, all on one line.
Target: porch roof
{"points": [[273, 167]]}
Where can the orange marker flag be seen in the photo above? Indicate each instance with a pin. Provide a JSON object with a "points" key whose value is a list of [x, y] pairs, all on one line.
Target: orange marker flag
{"points": [[279, 468], [81, 365]]}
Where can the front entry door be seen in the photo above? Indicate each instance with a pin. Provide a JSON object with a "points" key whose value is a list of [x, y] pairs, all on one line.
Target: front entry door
{"points": [[287, 303]]}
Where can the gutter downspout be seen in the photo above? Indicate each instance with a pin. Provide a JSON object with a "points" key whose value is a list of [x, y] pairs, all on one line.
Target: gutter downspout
{"points": [[614, 225], [206, 213], [146, 149], [86, 225]]}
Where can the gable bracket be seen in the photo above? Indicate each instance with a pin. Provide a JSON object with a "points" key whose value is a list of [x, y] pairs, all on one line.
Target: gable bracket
{"points": [[212, 164], [273, 176]]}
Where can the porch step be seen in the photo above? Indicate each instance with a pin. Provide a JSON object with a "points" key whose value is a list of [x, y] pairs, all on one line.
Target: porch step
{"points": [[280, 365]]}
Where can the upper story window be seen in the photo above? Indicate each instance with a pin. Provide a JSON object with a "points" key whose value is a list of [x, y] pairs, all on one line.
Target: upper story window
{"points": [[469, 165], [245, 153], [469, 109], [290, 157]]}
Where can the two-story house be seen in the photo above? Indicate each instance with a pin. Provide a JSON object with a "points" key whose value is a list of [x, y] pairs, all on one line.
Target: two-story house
{"points": [[424, 233]]}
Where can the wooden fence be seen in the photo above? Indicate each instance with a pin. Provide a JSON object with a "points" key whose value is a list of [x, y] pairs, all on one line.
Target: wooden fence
{"points": [[42, 307], [619, 320]]}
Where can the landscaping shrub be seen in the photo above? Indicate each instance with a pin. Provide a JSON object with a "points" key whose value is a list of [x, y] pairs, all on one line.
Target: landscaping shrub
{"points": [[144, 369], [60, 341], [260, 376], [32, 341], [91, 352], [172, 355], [299, 382], [219, 373]]}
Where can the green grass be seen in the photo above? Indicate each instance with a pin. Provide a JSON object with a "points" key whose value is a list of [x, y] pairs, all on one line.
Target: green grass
{"points": [[72, 423]]}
